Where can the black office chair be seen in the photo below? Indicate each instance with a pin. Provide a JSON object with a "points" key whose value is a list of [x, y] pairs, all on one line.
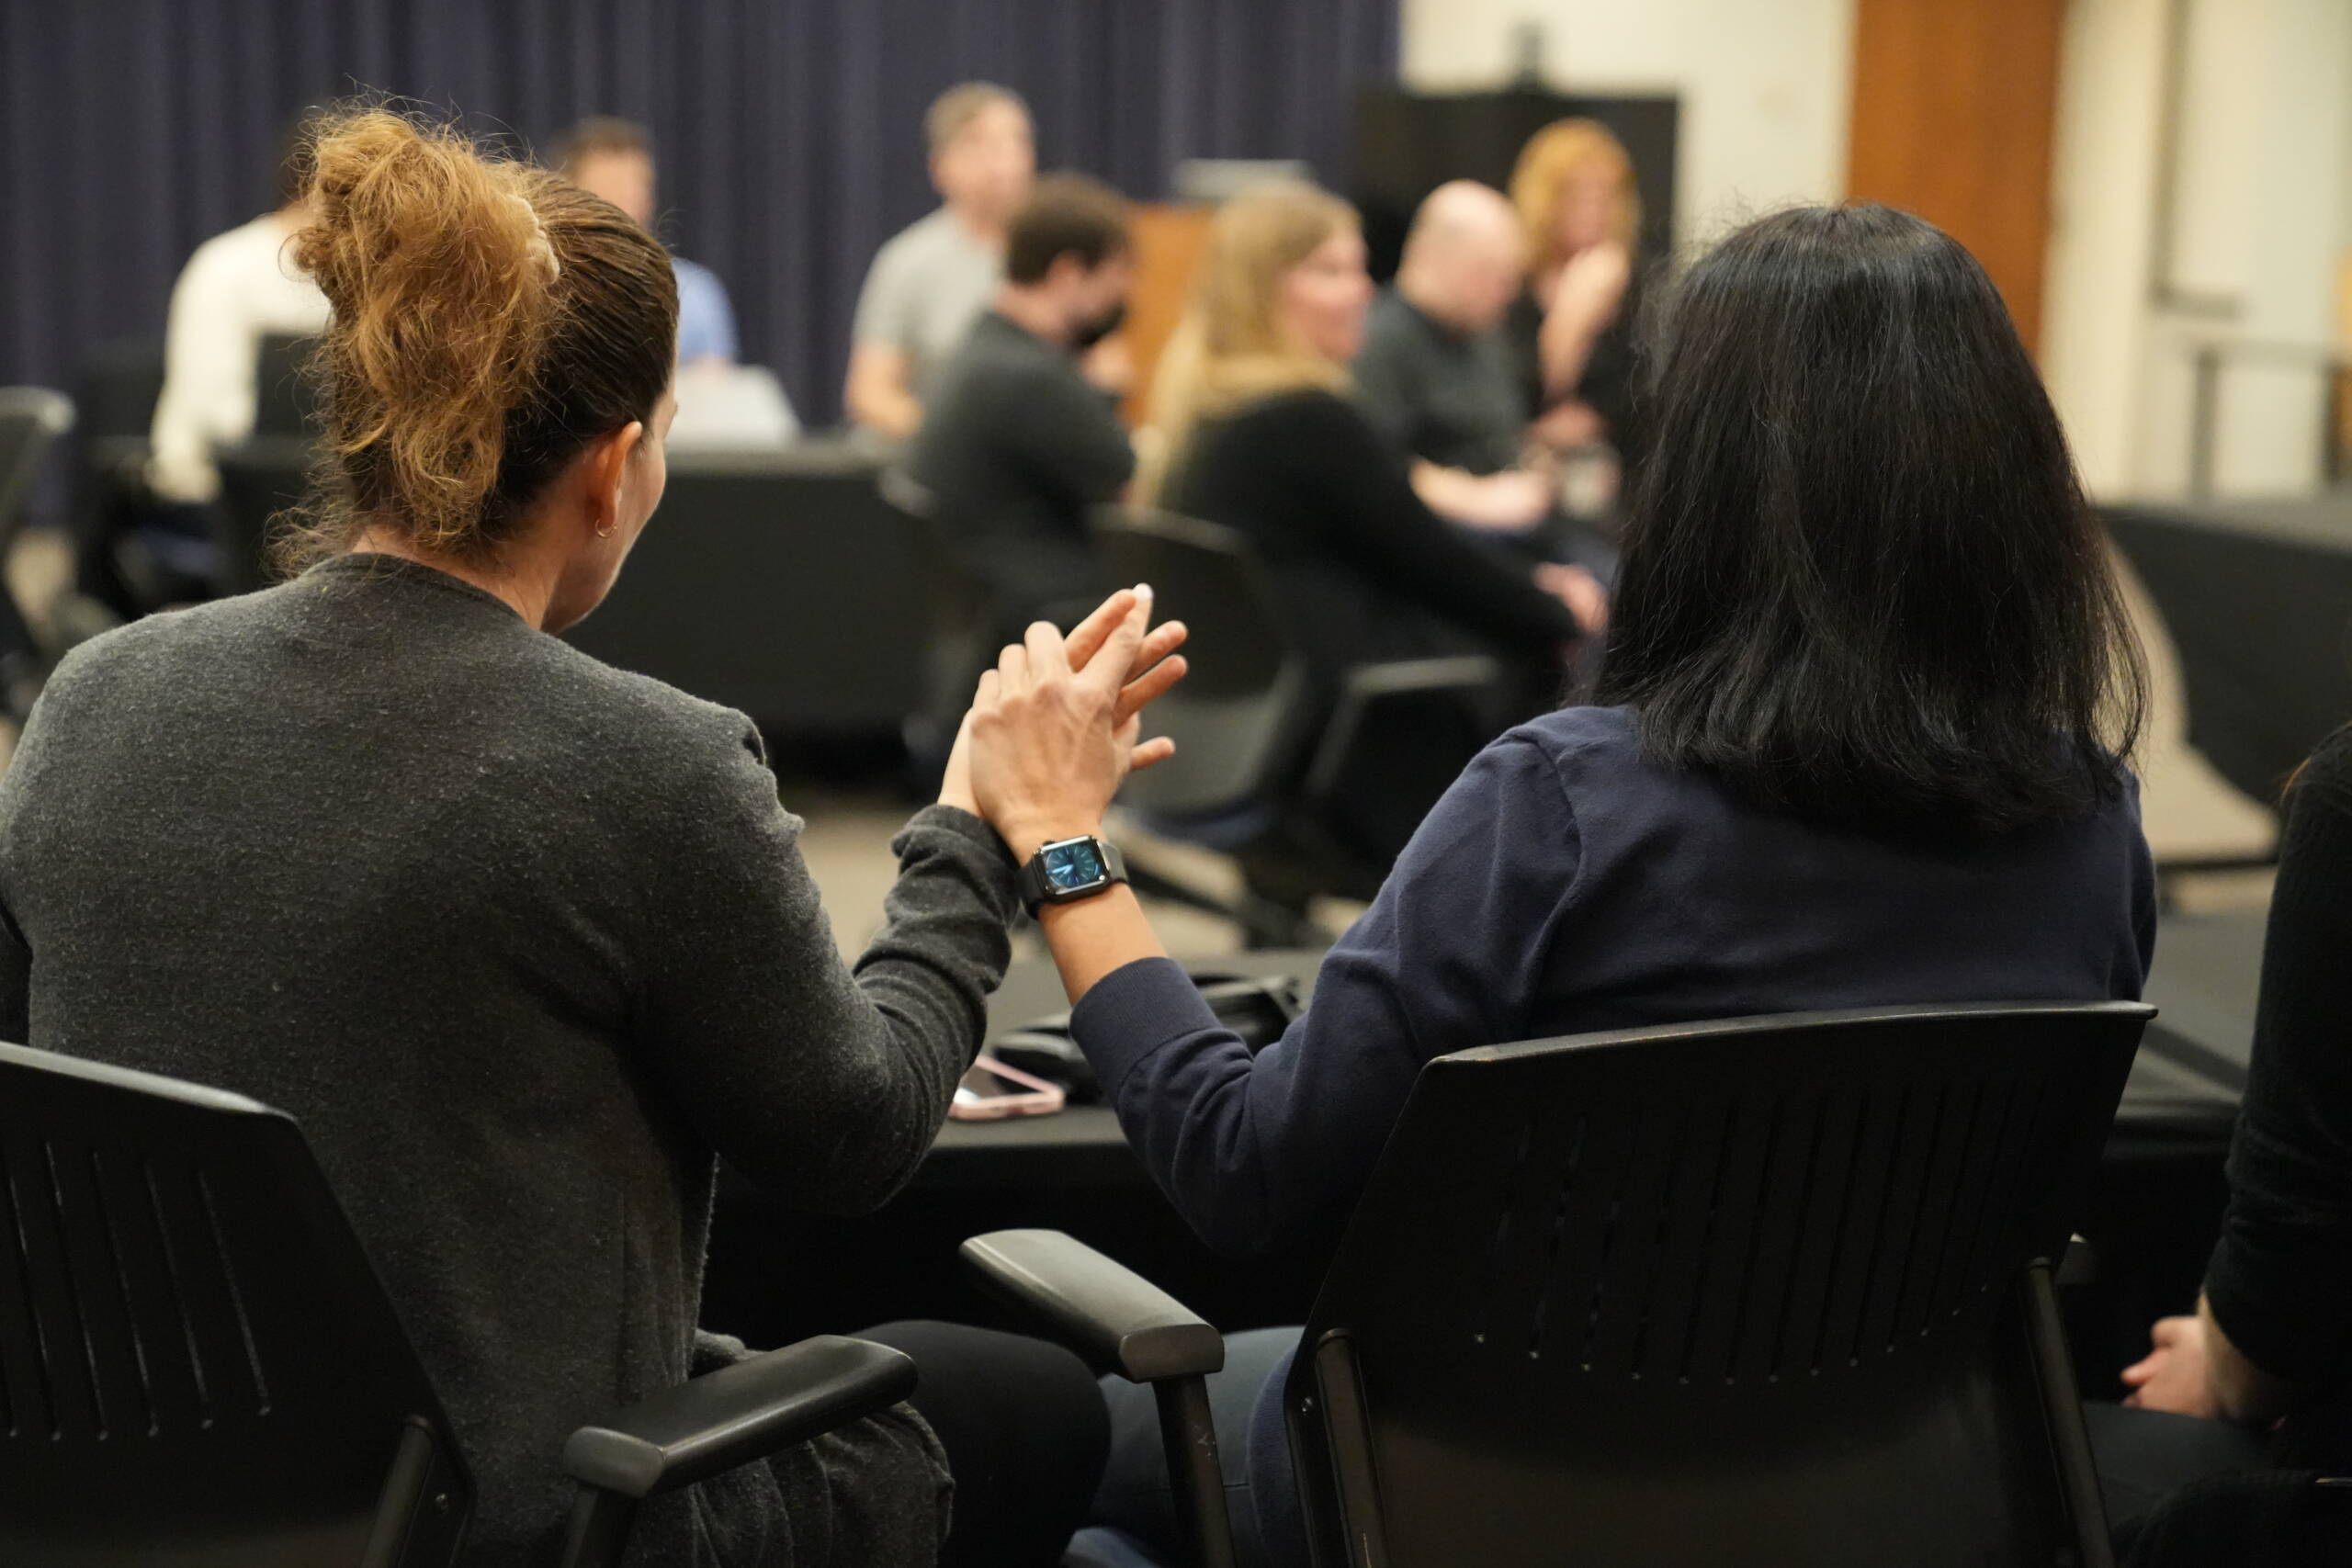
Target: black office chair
{"points": [[114, 399], [971, 620], [199, 1368], [32, 421], [263, 478], [962, 638], [1772, 1291], [1314, 785]]}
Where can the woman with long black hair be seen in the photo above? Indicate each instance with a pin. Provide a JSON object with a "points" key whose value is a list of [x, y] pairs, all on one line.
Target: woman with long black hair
{"points": [[1860, 741]]}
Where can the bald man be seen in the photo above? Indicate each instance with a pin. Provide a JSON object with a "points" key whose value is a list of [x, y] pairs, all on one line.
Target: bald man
{"points": [[1435, 373]]}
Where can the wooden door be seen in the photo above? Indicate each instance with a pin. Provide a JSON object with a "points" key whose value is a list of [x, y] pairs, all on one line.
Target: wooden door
{"points": [[1169, 242], [1954, 102]]}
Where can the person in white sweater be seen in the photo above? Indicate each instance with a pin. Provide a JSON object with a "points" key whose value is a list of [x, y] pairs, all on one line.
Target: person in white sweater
{"points": [[238, 288]]}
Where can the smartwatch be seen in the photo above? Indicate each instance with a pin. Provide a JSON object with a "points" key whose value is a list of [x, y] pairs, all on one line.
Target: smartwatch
{"points": [[1069, 869]]}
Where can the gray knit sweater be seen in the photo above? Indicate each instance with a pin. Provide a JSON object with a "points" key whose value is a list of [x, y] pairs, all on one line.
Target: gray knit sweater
{"points": [[524, 941]]}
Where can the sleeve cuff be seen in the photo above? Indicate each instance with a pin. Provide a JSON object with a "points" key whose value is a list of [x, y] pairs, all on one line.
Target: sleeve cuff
{"points": [[956, 820], [1132, 1012], [2264, 1327], [967, 841]]}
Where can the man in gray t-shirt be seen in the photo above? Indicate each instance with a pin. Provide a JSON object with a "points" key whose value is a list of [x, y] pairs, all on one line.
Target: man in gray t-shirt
{"points": [[930, 283]]}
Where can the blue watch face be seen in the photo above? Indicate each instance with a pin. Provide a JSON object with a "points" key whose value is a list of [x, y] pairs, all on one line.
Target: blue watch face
{"points": [[1072, 866]]}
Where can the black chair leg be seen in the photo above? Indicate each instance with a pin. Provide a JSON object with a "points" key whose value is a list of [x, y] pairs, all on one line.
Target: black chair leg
{"points": [[598, 1533], [1194, 1470], [2062, 1406]]}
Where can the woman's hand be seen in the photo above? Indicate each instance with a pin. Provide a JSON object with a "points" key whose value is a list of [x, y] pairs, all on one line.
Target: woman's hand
{"points": [[1567, 428], [2175, 1375], [1580, 591], [1592, 284], [1151, 673], [1054, 729]]}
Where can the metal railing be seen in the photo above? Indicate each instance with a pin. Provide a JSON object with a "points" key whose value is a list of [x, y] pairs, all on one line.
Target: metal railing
{"points": [[2212, 356]]}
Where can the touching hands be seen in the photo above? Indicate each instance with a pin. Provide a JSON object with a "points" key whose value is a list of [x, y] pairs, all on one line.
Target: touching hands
{"points": [[2174, 1375], [1054, 728]]}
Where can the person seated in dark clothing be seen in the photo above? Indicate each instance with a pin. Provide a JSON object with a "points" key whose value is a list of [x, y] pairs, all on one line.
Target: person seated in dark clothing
{"points": [[1878, 760], [1437, 376], [1256, 430], [527, 943], [1436, 373], [1017, 445], [2266, 1358], [1572, 330]]}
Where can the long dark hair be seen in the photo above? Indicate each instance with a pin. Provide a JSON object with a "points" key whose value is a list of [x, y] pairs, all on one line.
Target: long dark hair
{"points": [[1860, 581]]}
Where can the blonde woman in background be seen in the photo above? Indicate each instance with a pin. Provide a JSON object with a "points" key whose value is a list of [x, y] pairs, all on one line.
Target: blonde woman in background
{"points": [[1574, 191], [1257, 432]]}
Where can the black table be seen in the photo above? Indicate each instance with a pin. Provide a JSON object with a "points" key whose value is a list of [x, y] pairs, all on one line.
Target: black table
{"points": [[2258, 596], [2180, 1101], [1080, 1146], [777, 1274]]}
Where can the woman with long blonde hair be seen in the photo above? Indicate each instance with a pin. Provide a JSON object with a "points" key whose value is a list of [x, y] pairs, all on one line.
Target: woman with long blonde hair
{"points": [[1576, 199], [1257, 432]]}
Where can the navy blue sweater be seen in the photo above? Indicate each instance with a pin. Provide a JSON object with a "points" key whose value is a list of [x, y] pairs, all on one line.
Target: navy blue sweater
{"points": [[1563, 885]]}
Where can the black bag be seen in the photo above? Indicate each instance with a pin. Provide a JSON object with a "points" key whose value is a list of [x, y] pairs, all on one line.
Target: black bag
{"points": [[1257, 1007]]}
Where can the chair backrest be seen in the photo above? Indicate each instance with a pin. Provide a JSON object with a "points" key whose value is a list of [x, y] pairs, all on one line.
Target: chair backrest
{"points": [[1245, 715], [32, 419], [1735, 1293], [260, 479], [778, 584], [963, 637], [282, 397], [120, 382], [199, 1368]]}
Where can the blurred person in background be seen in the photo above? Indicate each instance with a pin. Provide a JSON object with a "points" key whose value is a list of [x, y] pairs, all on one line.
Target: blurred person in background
{"points": [[614, 158], [932, 281], [237, 289], [1257, 430], [2259, 1376], [1573, 329], [1018, 446], [1437, 376], [1883, 763]]}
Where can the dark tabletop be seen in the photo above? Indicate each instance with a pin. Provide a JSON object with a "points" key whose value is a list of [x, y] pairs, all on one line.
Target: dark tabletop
{"points": [[2184, 1087]]}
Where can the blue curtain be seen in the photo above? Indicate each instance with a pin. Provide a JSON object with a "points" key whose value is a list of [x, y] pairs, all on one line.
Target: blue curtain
{"points": [[788, 130]]}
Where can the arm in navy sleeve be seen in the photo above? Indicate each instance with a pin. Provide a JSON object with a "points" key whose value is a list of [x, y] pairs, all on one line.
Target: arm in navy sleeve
{"points": [[1272, 1152]]}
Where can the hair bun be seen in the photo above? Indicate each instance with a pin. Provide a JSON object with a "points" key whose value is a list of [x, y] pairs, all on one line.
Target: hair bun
{"points": [[442, 279]]}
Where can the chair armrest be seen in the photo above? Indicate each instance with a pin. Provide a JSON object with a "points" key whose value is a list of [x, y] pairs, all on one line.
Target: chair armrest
{"points": [[738, 1414], [1103, 1310], [1367, 687]]}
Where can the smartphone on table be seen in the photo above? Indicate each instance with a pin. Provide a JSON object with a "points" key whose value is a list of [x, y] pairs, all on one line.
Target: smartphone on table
{"points": [[990, 1090]]}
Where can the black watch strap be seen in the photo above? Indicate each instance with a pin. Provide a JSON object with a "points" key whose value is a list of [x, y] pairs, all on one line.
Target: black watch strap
{"points": [[1037, 889]]}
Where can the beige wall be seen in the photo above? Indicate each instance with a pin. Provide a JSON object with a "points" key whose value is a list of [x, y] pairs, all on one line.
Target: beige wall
{"points": [[2262, 204], [1764, 84]]}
